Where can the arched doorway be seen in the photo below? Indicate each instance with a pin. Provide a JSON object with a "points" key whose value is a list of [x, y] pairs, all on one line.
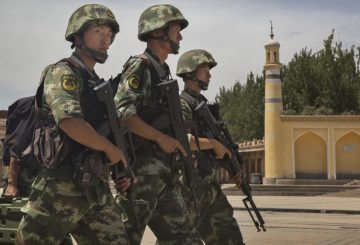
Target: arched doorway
{"points": [[310, 157], [348, 156]]}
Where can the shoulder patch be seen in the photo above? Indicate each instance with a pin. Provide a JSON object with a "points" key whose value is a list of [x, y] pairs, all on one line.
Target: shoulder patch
{"points": [[68, 83], [134, 81]]}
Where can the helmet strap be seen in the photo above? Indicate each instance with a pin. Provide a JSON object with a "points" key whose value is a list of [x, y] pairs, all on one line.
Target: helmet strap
{"points": [[203, 85], [98, 56], [173, 45]]}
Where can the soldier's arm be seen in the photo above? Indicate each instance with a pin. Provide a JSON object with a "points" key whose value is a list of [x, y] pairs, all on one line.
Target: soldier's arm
{"points": [[166, 143], [62, 87], [204, 143], [135, 82], [12, 182]]}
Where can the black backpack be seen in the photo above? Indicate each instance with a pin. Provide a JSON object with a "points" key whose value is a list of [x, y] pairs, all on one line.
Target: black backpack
{"points": [[23, 120], [19, 130]]}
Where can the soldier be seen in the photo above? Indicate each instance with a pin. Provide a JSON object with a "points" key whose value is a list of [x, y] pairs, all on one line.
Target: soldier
{"points": [[60, 201], [138, 103], [214, 220]]}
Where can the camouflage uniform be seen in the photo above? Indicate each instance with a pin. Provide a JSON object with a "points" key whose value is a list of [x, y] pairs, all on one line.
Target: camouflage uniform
{"points": [[214, 220], [158, 190], [57, 205]]}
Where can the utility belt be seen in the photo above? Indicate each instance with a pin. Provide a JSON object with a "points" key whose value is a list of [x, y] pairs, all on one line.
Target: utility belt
{"points": [[205, 162], [90, 167]]}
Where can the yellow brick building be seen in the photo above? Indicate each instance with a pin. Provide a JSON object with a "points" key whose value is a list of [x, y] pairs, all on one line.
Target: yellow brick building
{"points": [[305, 147]]}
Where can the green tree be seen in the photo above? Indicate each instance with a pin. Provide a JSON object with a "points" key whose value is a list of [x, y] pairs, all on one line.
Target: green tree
{"points": [[242, 107], [326, 82]]}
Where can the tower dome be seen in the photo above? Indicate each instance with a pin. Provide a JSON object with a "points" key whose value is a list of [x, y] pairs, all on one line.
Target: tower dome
{"points": [[272, 48]]}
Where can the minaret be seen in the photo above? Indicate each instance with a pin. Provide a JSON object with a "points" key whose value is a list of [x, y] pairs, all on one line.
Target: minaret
{"points": [[273, 110]]}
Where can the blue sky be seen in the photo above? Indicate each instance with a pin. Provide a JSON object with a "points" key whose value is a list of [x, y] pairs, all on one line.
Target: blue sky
{"points": [[234, 31]]}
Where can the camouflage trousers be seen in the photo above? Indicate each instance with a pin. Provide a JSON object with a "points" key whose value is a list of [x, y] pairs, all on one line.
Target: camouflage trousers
{"points": [[158, 198], [57, 207], [25, 179], [214, 218]]}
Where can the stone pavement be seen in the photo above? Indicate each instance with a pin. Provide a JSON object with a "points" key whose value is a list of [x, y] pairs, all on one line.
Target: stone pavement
{"points": [[297, 220], [305, 204]]}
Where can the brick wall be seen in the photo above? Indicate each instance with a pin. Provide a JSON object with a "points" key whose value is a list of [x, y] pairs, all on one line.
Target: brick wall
{"points": [[3, 114]]}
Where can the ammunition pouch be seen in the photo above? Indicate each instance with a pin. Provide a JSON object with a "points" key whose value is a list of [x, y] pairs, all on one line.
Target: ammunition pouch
{"points": [[50, 145], [149, 148], [90, 166]]}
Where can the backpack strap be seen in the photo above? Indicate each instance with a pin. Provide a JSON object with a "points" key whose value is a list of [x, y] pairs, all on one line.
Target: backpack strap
{"points": [[78, 66]]}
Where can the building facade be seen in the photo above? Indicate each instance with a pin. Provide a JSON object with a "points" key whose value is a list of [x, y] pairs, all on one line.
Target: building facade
{"points": [[305, 147]]}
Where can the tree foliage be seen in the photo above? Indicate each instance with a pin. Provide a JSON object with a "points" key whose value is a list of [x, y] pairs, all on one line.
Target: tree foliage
{"points": [[323, 83], [242, 107]]}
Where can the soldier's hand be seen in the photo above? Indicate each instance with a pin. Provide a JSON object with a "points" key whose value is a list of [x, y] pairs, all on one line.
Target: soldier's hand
{"points": [[11, 191], [123, 184], [170, 145], [238, 178], [220, 150], [116, 155]]}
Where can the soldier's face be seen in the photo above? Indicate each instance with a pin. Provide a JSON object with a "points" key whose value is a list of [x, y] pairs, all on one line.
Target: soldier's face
{"points": [[98, 37], [203, 73], [174, 32]]}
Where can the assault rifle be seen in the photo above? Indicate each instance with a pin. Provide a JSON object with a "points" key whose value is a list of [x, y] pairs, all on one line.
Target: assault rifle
{"points": [[170, 91], [219, 131], [122, 139]]}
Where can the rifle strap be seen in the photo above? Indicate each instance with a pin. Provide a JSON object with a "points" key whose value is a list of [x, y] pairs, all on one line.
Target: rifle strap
{"points": [[193, 104], [159, 70], [189, 99], [73, 62]]}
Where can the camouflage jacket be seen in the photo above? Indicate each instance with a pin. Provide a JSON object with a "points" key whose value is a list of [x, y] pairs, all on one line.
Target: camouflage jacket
{"points": [[62, 90], [137, 90]]}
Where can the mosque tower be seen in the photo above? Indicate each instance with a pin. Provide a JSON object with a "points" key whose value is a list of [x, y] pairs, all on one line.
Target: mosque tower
{"points": [[273, 111]]}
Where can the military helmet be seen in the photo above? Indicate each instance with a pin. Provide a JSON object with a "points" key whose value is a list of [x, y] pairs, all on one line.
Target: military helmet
{"points": [[157, 17], [191, 60], [90, 14]]}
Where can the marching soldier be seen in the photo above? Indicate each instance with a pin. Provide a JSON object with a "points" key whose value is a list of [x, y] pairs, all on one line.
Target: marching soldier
{"points": [[139, 104], [214, 220], [73, 196]]}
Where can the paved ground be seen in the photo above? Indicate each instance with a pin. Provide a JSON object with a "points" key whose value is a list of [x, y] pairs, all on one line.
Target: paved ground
{"points": [[295, 229], [298, 221], [303, 220]]}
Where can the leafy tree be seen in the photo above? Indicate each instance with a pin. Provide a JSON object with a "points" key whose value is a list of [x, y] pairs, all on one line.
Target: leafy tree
{"points": [[242, 107], [327, 81]]}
